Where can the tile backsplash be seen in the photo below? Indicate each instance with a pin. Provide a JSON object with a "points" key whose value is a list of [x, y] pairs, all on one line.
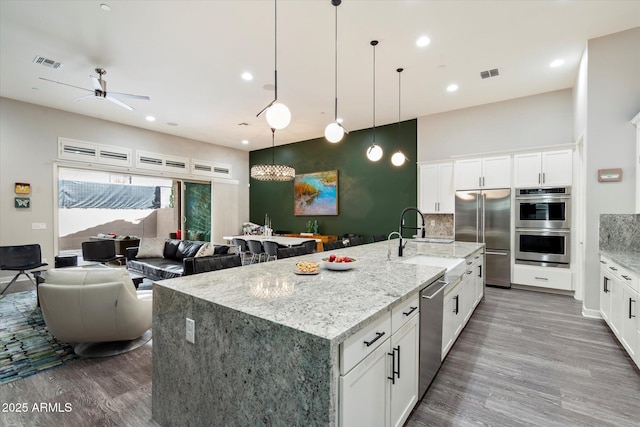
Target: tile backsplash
{"points": [[620, 232], [442, 225]]}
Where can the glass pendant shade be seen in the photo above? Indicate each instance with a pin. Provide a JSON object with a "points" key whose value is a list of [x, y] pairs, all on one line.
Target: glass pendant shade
{"points": [[333, 132], [374, 153], [398, 158], [278, 116], [273, 172]]}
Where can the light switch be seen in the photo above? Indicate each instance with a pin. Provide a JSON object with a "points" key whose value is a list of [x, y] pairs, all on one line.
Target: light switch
{"points": [[38, 225]]}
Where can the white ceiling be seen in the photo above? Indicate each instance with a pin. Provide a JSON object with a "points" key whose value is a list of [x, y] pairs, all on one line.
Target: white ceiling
{"points": [[188, 57]]}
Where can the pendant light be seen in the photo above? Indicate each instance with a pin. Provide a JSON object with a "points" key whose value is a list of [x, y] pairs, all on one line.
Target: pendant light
{"points": [[273, 172], [374, 152], [334, 130], [278, 114], [398, 157]]}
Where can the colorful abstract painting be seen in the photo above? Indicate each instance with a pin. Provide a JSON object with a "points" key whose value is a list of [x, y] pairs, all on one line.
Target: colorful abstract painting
{"points": [[316, 193]]}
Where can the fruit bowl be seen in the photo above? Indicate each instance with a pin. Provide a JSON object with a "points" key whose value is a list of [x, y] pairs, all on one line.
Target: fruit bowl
{"points": [[338, 263]]}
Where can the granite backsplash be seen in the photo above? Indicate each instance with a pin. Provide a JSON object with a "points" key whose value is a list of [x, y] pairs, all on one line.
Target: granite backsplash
{"points": [[439, 225], [620, 233]]}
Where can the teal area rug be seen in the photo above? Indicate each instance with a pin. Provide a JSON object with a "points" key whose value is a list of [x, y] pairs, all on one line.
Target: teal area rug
{"points": [[26, 346]]}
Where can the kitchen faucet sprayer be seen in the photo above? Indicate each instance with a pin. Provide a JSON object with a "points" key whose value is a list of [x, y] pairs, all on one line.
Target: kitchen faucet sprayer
{"points": [[402, 227]]}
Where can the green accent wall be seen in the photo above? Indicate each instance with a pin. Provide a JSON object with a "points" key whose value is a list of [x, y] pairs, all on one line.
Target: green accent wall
{"points": [[371, 195]]}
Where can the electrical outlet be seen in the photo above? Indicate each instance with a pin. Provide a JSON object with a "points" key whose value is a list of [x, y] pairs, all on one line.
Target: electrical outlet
{"points": [[191, 331], [433, 222]]}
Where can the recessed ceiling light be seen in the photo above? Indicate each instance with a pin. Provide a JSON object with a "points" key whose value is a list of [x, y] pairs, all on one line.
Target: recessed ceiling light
{"points": [[247, 76], [557, 63], [172, 124], [150, 119], [245, 142], [452, 87], [423, 41], [105, 7]]}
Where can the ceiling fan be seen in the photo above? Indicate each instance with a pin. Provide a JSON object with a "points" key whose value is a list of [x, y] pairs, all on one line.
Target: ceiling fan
{"points": [[100, 90]]}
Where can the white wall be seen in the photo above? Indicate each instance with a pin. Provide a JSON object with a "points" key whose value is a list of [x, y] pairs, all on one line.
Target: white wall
{"points": [[28, 146], [613, 90], [522, 123]]}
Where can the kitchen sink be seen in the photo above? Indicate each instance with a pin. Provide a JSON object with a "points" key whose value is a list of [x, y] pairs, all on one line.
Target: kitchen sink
{"points": [[431, 240], [434, 261]]}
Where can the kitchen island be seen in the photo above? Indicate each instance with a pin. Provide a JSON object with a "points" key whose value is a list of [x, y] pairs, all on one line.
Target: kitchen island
{"points": [[267, 341]]}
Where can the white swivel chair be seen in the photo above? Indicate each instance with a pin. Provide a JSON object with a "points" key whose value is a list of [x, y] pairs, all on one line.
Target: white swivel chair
{"points": [[98, 311]]}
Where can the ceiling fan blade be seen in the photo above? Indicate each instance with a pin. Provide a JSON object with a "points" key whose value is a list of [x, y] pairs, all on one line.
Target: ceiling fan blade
{"points": [[118, 102], [96, 84], [128, 95], [65, 84], [84, 97]]}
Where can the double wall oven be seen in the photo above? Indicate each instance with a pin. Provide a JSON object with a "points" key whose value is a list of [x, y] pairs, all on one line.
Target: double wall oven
{"points": [[543, 226]]}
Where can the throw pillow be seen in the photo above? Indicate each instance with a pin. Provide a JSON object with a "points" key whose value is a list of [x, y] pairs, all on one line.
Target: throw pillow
{"points": [[206, 250], [151, 247]]}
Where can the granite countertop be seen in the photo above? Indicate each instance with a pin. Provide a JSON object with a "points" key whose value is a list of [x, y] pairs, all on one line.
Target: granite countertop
{"points": [[332, 304], [627, 259]]}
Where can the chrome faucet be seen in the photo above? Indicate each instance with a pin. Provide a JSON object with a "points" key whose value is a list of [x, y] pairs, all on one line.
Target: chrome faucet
{"points": [[402, 226]]}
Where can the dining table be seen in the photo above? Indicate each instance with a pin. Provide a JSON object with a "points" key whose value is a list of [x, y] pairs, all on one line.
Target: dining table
{"points": [[281, 240]]}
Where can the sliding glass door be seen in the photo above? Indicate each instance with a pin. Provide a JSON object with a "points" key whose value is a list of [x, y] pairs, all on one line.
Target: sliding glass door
{"points": [[196, 206]]}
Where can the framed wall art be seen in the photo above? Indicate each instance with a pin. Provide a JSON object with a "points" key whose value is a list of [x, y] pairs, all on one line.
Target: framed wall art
{"points": [[316, 193], [22, 202], [23, 188]]}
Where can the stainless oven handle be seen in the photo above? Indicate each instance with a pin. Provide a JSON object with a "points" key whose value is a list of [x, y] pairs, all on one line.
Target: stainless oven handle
{"points": [[543, 230], [542, 198]]}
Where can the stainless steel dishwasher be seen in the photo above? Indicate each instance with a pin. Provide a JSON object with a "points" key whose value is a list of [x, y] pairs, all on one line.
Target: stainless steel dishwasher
{"points": [[431, 304]]}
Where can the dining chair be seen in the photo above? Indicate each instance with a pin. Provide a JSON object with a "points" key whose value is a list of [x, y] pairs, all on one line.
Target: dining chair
{"points": [[379, 237], [255, 248], [330, 246], [242, 249], [309, 245], [271, 249]]}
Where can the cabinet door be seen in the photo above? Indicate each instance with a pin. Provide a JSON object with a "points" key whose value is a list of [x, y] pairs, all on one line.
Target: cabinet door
{"points": [[404, 388], [429, 185], [527, 170], [451, 319], [617, 305], [467, 174], [467, 294], [605, 293], [496, 172], [365, 391], [557, 168], [446, 189], [628, 334]]}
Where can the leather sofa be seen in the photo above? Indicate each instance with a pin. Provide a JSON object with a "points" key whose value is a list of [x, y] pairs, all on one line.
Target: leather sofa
{"points": [[179, 259]]}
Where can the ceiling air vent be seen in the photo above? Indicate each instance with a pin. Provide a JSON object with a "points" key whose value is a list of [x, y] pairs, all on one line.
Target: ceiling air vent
{"points": [[49, 63], [494, 72]]}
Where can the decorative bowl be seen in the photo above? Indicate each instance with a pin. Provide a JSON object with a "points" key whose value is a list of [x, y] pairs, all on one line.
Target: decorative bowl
{"points": [[338, 266]]}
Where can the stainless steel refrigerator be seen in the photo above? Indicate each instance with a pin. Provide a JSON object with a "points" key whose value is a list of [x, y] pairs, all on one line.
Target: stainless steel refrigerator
{"points": [[485, 216]]}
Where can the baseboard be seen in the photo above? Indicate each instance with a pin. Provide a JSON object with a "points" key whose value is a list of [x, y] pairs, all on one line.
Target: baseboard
{"points": [[592, 314], [541, 289]]}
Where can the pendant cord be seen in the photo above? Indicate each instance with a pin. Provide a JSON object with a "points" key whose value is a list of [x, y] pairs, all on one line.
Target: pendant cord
{"points": [[275, 55], [336, 67], [374, 92], [273, 146]]}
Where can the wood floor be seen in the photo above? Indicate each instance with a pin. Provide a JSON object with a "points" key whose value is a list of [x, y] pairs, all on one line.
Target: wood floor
{"points": [[524, 359]]}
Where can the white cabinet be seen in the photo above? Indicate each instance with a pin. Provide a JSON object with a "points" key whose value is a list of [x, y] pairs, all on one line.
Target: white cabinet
{"points": [[485, 172], [451, 318], [543, 277], [636, 123], [379, 369], [436, 190], [619, 305], [547, 169]]}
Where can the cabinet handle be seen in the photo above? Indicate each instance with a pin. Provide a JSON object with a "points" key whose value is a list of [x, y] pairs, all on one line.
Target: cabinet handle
{"points": [[480, 181], [468, 272], [541, 278], [613, 268], [539, 178], [605, 284], [455, 310], [544, 178], [626, 277], [631, 301], [479, 271], [410, 311], [435, 206], [378, 336], [394, 372], [469, 262], [602, 262], [483, 181]]}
